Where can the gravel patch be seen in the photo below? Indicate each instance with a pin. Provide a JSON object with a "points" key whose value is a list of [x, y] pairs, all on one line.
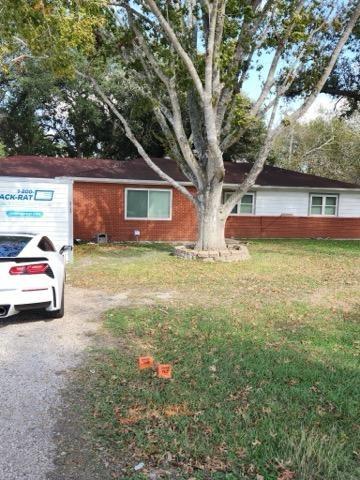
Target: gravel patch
{"points": [[35, 357]]}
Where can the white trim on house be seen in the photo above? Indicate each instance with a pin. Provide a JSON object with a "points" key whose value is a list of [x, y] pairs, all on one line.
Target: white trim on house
{"points": [[37, 180], [306, 189], [149, 190], [189, 184], [123, 181]]}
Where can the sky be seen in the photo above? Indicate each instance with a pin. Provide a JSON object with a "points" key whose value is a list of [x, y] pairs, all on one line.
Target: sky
{"points": [[324, 105]]}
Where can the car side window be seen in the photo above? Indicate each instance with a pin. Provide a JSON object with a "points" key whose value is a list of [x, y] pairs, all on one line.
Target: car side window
{"points": [[46, 245]]}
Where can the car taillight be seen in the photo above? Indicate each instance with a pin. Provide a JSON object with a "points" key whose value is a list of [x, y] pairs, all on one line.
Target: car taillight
{"points": [[33, 269]]}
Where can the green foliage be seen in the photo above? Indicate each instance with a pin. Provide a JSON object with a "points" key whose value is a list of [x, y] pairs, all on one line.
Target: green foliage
{"points": [[45, 115], [52, 31], [344, 80], [326, 147], [2, 150], [241, 109]]}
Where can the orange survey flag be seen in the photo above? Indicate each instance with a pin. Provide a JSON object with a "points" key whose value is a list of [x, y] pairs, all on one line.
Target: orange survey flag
{"points": [[164, 371], [145, 362]]}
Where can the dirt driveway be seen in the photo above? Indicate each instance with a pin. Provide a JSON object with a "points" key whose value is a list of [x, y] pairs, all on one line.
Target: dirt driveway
{"points": [[35, 357]]}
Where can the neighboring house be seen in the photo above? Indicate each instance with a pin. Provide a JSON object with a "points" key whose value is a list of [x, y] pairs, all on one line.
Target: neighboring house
{"points": [[121, 197]]}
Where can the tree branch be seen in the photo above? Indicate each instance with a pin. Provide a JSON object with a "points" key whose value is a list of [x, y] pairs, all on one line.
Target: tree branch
{"points": [[219, 31], [130, 135], [290, 76], [136, 13], [333, 91], [209, 58], [241, 65], [178, 47], [176, 120], [326, 73], [255, 169], [173, 145], [270, 80], [319, 147]]}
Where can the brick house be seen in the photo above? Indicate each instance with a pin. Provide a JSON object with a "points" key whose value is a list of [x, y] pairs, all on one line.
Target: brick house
{"points": [[121, 197]]}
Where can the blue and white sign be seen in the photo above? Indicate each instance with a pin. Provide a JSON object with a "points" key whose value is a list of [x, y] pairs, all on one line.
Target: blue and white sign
{"points": [[23, 214]]}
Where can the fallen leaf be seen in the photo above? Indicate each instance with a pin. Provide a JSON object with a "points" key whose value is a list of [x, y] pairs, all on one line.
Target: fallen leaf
{"points": [[292, 381], [286, 475], [241, 452]]}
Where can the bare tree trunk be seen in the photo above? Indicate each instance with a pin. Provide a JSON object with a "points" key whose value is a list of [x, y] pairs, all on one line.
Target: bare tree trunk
{"points": [[211, 221]]}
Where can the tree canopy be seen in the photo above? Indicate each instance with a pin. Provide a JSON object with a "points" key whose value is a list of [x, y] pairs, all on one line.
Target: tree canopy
{"points": [[344, 80], [193, 60], [43, 114], [325, 147], [48, 115]]}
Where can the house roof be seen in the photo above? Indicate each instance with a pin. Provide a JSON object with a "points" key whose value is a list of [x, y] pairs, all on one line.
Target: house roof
{"points": [[53, 167]]}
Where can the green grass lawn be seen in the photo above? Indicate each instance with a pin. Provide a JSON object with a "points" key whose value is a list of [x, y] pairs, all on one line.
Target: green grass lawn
{"points": [[265, 356]]}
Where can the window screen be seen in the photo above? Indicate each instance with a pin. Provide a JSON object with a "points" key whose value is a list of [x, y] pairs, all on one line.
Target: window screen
{"points": [[148, 204], [330, 205], [245, 206], [323, 204], [137, 204], [159, 204]]}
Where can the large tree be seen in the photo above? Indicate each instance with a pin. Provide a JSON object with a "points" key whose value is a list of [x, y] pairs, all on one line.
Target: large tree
{"points": [[192, 59]]}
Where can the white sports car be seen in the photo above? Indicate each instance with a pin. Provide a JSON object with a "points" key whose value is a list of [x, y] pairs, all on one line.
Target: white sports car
{"points": [[32, 275]]}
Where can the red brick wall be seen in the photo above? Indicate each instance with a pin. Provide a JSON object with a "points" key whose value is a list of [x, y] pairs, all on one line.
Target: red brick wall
{"points": [[293, 227], [99, 207]]}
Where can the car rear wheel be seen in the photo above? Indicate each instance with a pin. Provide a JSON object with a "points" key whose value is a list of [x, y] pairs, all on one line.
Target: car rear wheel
{"points": [[59, 313]]}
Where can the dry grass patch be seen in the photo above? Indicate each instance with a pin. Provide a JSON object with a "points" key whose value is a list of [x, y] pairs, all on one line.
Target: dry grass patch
{"points": [[281, 270]]}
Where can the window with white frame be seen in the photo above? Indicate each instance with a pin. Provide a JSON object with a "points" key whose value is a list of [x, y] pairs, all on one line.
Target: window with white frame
{"points": [[148, 204], [246, 206], [322, 204]]}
